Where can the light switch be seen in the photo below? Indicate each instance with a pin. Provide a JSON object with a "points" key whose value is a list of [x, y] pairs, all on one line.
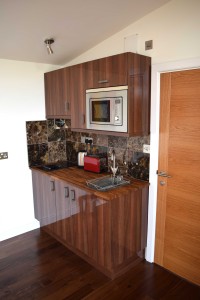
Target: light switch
{"points": [[149, 45]]}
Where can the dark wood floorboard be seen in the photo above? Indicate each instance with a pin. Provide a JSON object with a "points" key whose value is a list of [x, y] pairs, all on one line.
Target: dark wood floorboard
{"points": [[36, 266]]}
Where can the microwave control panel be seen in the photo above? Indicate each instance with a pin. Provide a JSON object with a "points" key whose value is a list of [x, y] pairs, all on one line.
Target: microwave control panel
{"points": [[118, 111]]}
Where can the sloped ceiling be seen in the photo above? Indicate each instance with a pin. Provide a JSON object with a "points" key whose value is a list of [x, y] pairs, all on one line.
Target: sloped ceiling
{"points": [[76, 26]]}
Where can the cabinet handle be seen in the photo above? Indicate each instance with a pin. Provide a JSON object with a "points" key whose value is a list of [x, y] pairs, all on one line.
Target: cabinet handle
{"points": [[66, 192], [83, 118], [67, 106], [73, 195], [103, 81], [52, 186]]}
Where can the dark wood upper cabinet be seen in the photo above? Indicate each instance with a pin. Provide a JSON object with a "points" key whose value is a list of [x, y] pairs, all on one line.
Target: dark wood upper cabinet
{"points": [[106, 72], [57, 97], [129, 69], [77, 96], [66, 88], [139, 84]]}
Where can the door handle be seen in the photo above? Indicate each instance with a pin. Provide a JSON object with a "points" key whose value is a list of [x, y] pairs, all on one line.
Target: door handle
{"points": [[163, 174]]}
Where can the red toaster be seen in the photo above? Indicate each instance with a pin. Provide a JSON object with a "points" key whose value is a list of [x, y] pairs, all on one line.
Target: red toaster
{"points": [[95, 163]]}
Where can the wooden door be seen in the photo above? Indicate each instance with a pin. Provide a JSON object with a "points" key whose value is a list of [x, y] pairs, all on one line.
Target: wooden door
{"points": [[177, 246]]}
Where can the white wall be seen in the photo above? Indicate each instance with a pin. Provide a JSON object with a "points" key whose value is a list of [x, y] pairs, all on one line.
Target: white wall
{"points": [[174, 29], [21, 100]]}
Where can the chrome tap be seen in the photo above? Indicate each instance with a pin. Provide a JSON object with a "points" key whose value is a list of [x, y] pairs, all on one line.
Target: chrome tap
{"points": [[113, 167]]}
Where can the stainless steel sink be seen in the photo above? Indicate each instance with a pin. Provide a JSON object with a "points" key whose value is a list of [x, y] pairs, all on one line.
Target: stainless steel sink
{"points": [[107, 183]]}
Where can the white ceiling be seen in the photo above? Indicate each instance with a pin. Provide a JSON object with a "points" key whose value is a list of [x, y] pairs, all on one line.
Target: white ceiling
{"points": [[76, 26]]}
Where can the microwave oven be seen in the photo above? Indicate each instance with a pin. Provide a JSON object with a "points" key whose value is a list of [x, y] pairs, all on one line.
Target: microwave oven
{"points": [[106, 109]]}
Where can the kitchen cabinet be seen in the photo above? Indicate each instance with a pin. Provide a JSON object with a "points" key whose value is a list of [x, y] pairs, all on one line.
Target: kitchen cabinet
{"points": [[63, 211], [44, 199], [106, 72], [77, 95], [57, 93], [130, 69], [107, 229], [65, 90], [112, 233], [55, 202], [109, 71], [59, 207], [68, 213], [139, 78]]}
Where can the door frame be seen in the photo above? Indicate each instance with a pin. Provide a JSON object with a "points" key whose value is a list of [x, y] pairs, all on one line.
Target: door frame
{"points": [[157, 69]]}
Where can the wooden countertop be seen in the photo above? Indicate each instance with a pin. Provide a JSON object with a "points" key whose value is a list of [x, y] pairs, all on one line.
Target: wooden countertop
{"points": [[78, 177]]}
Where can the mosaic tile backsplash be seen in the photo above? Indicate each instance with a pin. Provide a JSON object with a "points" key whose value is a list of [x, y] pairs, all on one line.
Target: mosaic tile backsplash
{"points": [[50, 141]]}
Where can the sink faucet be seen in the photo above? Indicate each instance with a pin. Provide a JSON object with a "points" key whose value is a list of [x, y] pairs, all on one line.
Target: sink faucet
{"points": [[113, 168]]}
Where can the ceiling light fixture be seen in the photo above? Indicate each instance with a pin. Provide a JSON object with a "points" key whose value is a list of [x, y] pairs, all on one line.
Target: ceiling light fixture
{"points": [[48, 43]]}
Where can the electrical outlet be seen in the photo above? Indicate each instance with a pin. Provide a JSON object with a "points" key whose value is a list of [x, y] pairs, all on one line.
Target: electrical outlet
{"points": [[83, 139], [3, 155], [146, 148], [88, 140]]}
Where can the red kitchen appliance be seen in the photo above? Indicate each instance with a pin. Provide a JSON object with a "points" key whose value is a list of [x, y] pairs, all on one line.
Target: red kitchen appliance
{"points": [[96, 163]]}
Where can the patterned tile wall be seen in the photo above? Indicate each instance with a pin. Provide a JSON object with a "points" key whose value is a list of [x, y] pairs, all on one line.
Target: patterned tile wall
{"points": [[46, 144]]}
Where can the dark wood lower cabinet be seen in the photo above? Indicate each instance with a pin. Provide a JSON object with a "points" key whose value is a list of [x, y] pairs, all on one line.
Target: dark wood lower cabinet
{"points": [[109, 234]]}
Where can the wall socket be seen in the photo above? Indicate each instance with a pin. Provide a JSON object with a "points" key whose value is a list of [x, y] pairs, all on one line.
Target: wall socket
{"points": [[3, 155], [146, 148], [85, 139]]}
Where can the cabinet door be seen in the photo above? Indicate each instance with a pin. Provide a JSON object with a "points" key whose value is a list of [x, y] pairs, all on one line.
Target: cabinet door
{"points": [[129, 228], [69, 224], [57, 99], [63, 208], [91, 227], [96, 229], [77, 96], [76, 220], [112, 233], [108, 71], [139, 81], [44, 198]]}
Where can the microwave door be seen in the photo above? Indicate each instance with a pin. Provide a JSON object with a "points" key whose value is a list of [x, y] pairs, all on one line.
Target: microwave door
{"points": [[100, 111]]}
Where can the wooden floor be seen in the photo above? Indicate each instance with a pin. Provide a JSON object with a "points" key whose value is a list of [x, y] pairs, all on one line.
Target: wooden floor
{"points": [[35, 266]]}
